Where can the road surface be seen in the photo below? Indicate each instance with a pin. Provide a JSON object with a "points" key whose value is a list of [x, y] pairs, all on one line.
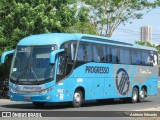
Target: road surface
{"points": [[150, 103]]}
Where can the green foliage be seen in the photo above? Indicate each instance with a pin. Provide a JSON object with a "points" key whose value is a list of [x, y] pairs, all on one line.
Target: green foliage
{"points": [[83, 24], [109, 14], [83, 27], [21, 18], [149, 45], [146, 44]]}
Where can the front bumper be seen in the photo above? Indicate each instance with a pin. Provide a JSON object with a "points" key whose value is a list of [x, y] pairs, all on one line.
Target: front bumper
{"points": [[32, 98]]}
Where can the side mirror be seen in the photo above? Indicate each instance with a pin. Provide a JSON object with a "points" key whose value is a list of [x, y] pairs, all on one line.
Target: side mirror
{"points": [[5, 54], [53, 55]]}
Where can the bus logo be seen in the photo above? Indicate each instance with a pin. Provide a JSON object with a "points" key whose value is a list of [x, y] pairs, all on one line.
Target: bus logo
{"points": [[122, 81]]}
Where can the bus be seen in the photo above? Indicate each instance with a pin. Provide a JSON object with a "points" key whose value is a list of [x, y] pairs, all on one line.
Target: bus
{"points": [[159, 70], [63, 67]]}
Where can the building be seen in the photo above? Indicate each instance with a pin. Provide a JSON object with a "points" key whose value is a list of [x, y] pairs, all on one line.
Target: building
{"points": [[146, 34]]}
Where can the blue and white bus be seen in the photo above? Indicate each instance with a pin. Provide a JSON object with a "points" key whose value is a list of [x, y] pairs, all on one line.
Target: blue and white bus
{"points": [[58, 67]]}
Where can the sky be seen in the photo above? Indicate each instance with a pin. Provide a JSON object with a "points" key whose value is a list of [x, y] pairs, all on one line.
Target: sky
{"points": [[131, 32]]}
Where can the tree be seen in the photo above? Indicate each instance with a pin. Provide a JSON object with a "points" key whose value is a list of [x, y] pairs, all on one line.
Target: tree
{"points": [[149, 45], [109, 14], [21, 18], [83, 24], [145, 44]]}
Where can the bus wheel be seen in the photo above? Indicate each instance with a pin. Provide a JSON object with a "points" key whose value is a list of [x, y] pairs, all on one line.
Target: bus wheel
{"points": [[134, 97], [38, 104], [77, 99], [142, 95]]}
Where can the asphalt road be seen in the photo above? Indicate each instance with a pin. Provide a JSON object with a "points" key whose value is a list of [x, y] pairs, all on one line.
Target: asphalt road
{"points": [[117, 105]]}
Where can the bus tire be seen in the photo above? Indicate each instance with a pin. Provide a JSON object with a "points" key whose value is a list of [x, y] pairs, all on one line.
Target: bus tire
{"points": [[38, 104], [77, 98], [142, 95], [134, 97]]}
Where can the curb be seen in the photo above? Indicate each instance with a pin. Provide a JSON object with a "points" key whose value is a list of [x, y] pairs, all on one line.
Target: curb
{"points": [[150, 109], [5, 100]]}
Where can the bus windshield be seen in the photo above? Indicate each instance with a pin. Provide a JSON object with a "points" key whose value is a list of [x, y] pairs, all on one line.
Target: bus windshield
{"points": [[31, 64]]}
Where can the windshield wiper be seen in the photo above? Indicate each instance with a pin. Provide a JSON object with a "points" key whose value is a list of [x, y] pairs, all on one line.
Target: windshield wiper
{"points": [[34, 73]]}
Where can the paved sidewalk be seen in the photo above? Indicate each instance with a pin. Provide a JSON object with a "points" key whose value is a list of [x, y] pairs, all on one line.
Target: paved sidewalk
{"points": [[150, 109]]}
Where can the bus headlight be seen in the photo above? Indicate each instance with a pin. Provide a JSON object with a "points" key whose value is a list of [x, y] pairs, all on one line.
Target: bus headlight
{"points": [[46, 90]]}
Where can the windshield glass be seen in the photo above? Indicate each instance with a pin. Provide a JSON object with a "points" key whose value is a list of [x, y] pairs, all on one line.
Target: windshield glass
{"points": [[32, 64]]}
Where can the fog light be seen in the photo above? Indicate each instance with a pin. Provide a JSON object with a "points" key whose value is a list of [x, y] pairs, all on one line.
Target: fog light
{"points": [[48, 97]]}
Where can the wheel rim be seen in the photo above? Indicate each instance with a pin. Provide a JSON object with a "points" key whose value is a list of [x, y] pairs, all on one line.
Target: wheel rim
{"points": [[77, 97], [135, 96], [142, 94]]}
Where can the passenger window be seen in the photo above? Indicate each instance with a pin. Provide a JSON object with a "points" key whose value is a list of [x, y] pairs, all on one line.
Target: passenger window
{"points": [[153, 58], [145, 58], [98, 53], [80, 56], [125, 56], [115, 57], [108, 54], [66, 59], [73, 49], [136, 57], [67, 47], [62, 66], [85, 52]]}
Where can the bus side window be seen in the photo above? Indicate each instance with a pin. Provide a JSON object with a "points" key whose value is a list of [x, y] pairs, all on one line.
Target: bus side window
{"points": [[108, 54], [125, 56], [145, 58], [115, 57], [62, 60], [98, 53], [66, 59], [153, 58], [101, 52], [89, 52], [67, 47], [85, 52], [80, 53], [136, 57], [73, 50]]}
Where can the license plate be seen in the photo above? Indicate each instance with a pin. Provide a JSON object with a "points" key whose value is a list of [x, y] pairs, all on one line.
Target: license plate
{"points": [[27, 98]]}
